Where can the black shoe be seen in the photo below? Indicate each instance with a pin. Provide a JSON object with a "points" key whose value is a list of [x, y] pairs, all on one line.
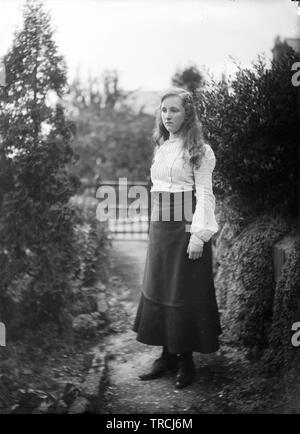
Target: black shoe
{"points": [[186, 372], [160, 366]]}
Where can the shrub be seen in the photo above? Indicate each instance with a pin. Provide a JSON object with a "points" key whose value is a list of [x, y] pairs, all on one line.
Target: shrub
{"points": [[252, 121], [92, 246]]}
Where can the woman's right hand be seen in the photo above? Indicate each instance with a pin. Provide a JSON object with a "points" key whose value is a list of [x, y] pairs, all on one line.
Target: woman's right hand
{"points": [[195, 251]]}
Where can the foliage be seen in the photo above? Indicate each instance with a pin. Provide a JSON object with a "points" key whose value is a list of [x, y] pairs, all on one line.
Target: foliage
{"points": [[112, 140], [92, 246], [246, 268], [252, 121], [282, 355], [255, 114], [189, 78], [36, 221]]}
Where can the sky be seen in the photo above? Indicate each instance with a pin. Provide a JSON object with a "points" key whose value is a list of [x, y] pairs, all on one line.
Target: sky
{"points": [[147, 40]]}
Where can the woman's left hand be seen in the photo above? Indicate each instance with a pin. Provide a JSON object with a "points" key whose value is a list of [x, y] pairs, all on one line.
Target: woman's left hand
{"points": [[194, 252]]}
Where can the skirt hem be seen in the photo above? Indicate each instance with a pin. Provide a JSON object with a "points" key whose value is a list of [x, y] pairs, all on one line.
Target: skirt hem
{"points": [[180, 329]]}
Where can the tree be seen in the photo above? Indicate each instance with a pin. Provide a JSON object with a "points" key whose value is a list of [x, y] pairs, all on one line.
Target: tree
{"points": [[189, 78], [113, 142], [112, 92], [36, 222]]}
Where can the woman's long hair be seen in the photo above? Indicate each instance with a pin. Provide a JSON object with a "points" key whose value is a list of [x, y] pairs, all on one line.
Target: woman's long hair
{"points": [[190, 131]]}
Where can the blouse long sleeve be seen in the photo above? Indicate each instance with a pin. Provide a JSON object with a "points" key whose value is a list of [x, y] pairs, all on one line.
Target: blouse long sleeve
{"points": [[204, 224]]}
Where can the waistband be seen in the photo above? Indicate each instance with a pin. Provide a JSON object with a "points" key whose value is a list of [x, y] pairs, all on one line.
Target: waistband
{"points": [[186, 193], [173, 206]]}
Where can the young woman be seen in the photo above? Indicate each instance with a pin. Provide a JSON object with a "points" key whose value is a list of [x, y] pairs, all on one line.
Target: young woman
{"points": [[177, 308]]}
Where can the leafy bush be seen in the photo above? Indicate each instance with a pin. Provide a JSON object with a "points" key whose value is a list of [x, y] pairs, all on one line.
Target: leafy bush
{"points": [[92, 246], [252, 123]]}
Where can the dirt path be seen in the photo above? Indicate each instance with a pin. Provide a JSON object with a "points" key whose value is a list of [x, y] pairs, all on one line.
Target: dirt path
{"points": [[125, 393]]}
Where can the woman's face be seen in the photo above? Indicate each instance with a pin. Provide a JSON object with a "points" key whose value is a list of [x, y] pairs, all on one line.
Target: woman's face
{"points": [[172, 113]]}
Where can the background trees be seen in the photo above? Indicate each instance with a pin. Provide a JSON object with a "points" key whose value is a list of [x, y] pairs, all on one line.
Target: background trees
{"points": [[190, 78], [113, 139]]}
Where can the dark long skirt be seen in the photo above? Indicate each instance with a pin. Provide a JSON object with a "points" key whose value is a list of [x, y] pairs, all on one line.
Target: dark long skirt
{"points": [[177, 306]]}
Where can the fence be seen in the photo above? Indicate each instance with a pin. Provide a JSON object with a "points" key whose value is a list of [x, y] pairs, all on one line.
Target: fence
{"points": [[123, 226]]}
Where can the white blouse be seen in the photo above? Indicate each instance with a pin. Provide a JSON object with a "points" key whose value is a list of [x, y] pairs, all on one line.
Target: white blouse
{"points": [[169, 173]]}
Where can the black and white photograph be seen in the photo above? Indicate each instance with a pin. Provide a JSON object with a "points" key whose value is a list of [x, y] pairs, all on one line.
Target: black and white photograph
{"points": [[149, 209]]}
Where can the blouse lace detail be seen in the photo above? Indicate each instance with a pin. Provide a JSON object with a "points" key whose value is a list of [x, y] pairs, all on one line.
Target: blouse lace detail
{"points": [[170, 173]]}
